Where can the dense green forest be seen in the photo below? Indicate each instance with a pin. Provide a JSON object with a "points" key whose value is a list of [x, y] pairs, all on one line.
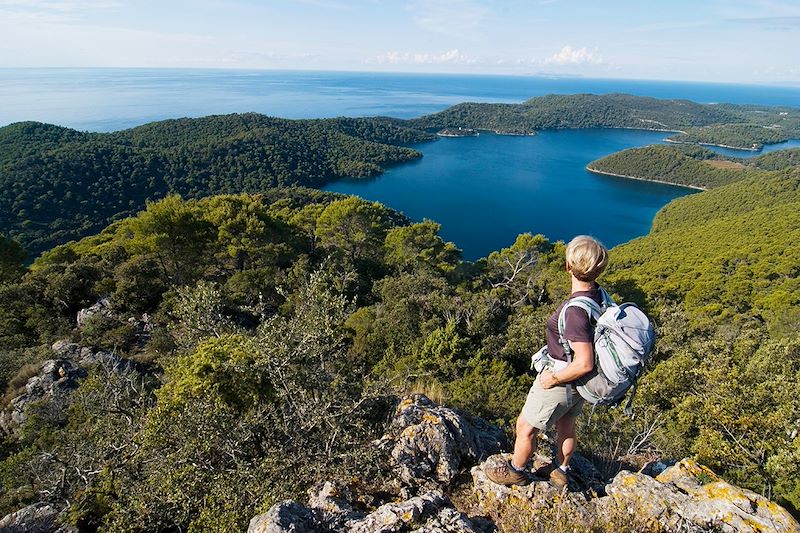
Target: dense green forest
{"points": [[734, 125], [59, 184], [691, 166], [264, 337], [744, 136]]}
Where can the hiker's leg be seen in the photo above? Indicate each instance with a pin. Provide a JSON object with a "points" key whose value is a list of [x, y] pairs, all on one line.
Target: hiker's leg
{"points": [[566, 439], [524, 444]]}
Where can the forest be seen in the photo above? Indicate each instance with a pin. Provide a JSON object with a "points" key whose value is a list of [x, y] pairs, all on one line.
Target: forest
{"points": [[729, 124], [234, 322], [59, 184]]}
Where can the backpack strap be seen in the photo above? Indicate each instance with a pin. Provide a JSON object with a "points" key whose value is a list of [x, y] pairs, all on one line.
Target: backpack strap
{"points": [[593, 310]]}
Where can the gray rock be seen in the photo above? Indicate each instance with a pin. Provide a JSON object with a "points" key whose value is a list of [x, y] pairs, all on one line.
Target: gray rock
{"points": [[102, 307], [431, 512], [55, 379], [428, 442], [331, 505], [35, 518], [716, 504], [686, 497], [65, 349], [284, 517]]}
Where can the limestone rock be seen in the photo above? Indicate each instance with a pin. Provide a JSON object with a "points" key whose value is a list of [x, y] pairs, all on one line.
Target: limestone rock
{"points": [[35, 518], [333, 506], [428, 442], [332, 509], [493, 499], [431, 512], [102, 307], [287, 516], [717, 504], [55, 379], [686, 497]]}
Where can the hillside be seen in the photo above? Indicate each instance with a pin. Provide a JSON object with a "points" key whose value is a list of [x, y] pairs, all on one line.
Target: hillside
{"points": [[59, 184], [691, 166], [209, 345], [734, 125]]}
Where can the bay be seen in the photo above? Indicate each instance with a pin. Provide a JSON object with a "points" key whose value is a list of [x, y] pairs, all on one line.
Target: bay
{"points": [[486, 190]]}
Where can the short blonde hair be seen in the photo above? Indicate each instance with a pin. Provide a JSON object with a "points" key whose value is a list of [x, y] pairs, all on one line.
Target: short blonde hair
{"points": [[587, 257]]}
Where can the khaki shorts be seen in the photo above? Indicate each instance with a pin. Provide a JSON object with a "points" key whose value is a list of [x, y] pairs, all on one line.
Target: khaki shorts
{"points": [[543, 408]]}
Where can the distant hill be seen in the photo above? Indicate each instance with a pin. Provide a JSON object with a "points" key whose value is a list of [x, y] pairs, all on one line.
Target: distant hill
{"points": [[734, 125], [60, 184]]}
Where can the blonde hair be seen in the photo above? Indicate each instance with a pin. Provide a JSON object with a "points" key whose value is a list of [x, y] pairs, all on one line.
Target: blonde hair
{"points": [[587, 257]]}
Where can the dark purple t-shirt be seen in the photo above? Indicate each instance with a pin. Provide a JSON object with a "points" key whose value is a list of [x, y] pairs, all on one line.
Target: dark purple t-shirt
{"points": [[577, 326]]}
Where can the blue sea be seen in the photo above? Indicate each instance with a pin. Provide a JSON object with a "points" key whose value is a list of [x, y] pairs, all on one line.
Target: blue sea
{"points": [[483, 190]]}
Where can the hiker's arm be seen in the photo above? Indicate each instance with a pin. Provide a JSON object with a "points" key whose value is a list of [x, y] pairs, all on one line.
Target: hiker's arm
{"points": [[582, 363]]}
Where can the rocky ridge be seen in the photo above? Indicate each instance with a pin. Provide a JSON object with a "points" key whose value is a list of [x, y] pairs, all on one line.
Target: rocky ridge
{"points": [[428, 445]]}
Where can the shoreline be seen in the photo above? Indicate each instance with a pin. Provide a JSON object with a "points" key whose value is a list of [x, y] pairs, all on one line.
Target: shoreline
{"points": [[604, 173], [718, 145]]}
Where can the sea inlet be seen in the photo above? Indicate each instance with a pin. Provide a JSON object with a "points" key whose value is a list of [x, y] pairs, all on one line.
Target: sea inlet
{"points": [[486, 190]]}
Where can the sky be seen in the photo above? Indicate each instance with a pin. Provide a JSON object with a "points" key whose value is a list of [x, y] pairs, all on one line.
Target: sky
{"points": [[754, 41]]}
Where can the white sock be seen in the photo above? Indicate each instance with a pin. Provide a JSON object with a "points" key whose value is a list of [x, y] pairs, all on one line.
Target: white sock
{"points": [[515, 467], [563, 468]]}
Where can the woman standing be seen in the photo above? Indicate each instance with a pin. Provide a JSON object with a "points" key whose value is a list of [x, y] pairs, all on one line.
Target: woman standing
{"points": [[552, 399]]}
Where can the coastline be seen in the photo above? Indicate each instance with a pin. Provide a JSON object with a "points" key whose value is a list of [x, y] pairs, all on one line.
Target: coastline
{"points": [[742, 148], [604, 173]]}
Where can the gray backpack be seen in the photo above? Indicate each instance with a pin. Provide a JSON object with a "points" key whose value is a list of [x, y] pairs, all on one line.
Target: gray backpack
{"points": [[623, 340]]}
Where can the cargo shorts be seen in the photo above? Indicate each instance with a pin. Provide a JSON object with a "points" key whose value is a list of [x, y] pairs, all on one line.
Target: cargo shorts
{"points": [[543, 408]]}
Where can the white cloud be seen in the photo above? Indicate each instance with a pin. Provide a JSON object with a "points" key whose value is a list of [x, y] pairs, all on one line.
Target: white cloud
{"points": [[452, 57], [574, 56]]}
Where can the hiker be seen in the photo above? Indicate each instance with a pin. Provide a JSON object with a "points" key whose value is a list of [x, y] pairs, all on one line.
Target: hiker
{"points": [[552, 399]]}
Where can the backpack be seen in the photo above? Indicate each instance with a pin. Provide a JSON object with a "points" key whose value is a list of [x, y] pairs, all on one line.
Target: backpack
{"points": [[623, 340]]}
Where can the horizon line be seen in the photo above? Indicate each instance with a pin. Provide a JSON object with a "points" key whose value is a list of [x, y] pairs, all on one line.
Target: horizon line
{"points": [[792, 84]]}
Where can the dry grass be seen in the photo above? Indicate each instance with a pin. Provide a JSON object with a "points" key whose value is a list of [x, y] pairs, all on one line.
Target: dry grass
{"points": [[16, 385], [433, 391]]}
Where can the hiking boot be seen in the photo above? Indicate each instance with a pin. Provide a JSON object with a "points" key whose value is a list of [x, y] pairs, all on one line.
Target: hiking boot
{"points": [[554, 474], [503, 473], [558, 478]]}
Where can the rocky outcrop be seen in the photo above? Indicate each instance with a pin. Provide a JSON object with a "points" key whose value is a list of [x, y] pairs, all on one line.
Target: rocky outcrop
{"points": [[35, 518], [285, 516], [430, 443], [102, 308], [684, 497], [55, 379], [428, 446], [690, 493], [329, 510]]}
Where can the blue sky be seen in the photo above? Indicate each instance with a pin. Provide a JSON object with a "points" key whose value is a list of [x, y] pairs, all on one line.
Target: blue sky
{"points": [[755, 41]]}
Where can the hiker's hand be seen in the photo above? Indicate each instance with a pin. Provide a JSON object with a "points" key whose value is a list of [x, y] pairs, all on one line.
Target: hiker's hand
{"points": [[547, 379]]}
